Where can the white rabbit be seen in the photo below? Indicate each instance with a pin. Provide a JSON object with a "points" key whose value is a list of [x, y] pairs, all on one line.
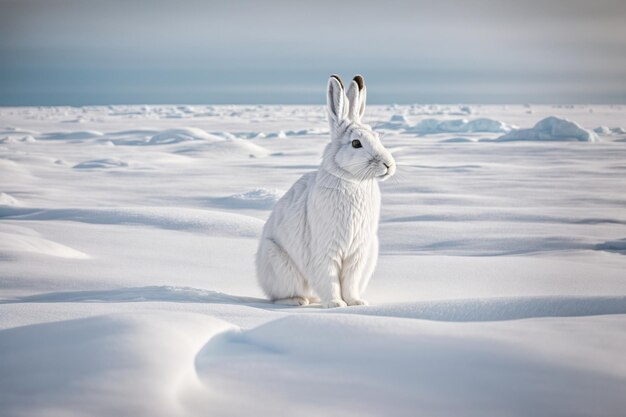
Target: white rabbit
{"points": [[320, 242]]}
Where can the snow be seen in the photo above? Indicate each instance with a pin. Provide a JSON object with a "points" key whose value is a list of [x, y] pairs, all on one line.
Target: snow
{"points": [[259, 198], [101, 163], [552, 128], [433, 126], [202, 221], [457, 140], [7, 200], [181, 135], [17, 242], [127, 265], [618, 246], [396, 121], [87, 134]]}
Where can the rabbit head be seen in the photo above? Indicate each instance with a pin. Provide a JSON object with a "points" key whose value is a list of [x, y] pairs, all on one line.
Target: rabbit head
{"points": [[355, 152]]}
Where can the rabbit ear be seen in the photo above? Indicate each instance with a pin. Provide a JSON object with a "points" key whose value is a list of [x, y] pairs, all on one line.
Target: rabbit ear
{"points": [[337, 102], [357, 104], [353, 102]]}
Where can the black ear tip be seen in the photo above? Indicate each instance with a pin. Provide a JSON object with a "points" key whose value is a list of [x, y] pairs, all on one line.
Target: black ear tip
{"points": [[338, 78], [360, 82]]}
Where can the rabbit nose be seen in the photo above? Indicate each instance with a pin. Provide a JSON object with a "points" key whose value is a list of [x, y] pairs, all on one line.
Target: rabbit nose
{"points": [[386, 166]]}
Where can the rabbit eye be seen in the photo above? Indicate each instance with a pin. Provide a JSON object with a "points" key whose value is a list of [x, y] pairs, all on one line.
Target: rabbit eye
{"points": [[356, 143]]}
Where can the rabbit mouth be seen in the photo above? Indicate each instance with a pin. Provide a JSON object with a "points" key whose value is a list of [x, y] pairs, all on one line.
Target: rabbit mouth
{"points": [[384, 176], [388, 173]]}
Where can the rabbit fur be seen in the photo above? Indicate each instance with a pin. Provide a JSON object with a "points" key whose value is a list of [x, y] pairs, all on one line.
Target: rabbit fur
{"points": [[320, 242]]}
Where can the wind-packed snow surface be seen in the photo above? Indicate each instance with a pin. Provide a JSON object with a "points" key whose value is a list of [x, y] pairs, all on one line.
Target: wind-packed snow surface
{"points": [[127, 287]]}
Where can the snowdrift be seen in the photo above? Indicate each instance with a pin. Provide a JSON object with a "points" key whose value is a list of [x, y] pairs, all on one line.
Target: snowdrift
{"points": [[72, 372], [79, 135], [102, 163], [213, 223], [259, 198], [551, 129], [190, 141], [443, 367], [19, 241], [397, 121], [433, 126], [617, 246], [182, 135]]}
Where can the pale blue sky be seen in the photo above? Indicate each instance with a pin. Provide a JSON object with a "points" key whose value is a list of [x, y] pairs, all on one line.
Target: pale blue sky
{"points": [[81, 52]]}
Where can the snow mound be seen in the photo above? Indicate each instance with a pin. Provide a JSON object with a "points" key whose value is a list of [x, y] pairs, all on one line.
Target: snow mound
{"points": [[551, 129], [454, 125], [84, 134], [259, 198], [433, 367], [226, 147], [280, 135], [466, 109], [152, 352], [605, 130], [13, 139], [76, 120], [457, 140], [16, 243], [12, 130], [165, 293], [135, 132], [396, 121], [438, 110], [429, 126], [181, 135], [194, 141], [28, 139], [101, 163], [399, 118], [283, 134], [214, 223], [8, 200], [426, 126], [14, 170], [238, 147], [489, 125], [618, 246], [496, 309]]}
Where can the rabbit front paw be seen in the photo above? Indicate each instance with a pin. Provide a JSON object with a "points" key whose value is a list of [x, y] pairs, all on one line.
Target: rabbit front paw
{"points": [[334, 303]]}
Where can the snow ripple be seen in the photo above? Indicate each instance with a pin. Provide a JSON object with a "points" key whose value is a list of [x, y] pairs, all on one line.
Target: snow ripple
{"points": [[215, 223]]}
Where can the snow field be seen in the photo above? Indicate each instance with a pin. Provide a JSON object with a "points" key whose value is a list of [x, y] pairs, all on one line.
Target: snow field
{"points": [[128, 233]]}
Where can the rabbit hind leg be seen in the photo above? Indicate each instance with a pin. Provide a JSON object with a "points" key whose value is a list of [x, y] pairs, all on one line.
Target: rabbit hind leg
{"points": [[284, 284]]}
